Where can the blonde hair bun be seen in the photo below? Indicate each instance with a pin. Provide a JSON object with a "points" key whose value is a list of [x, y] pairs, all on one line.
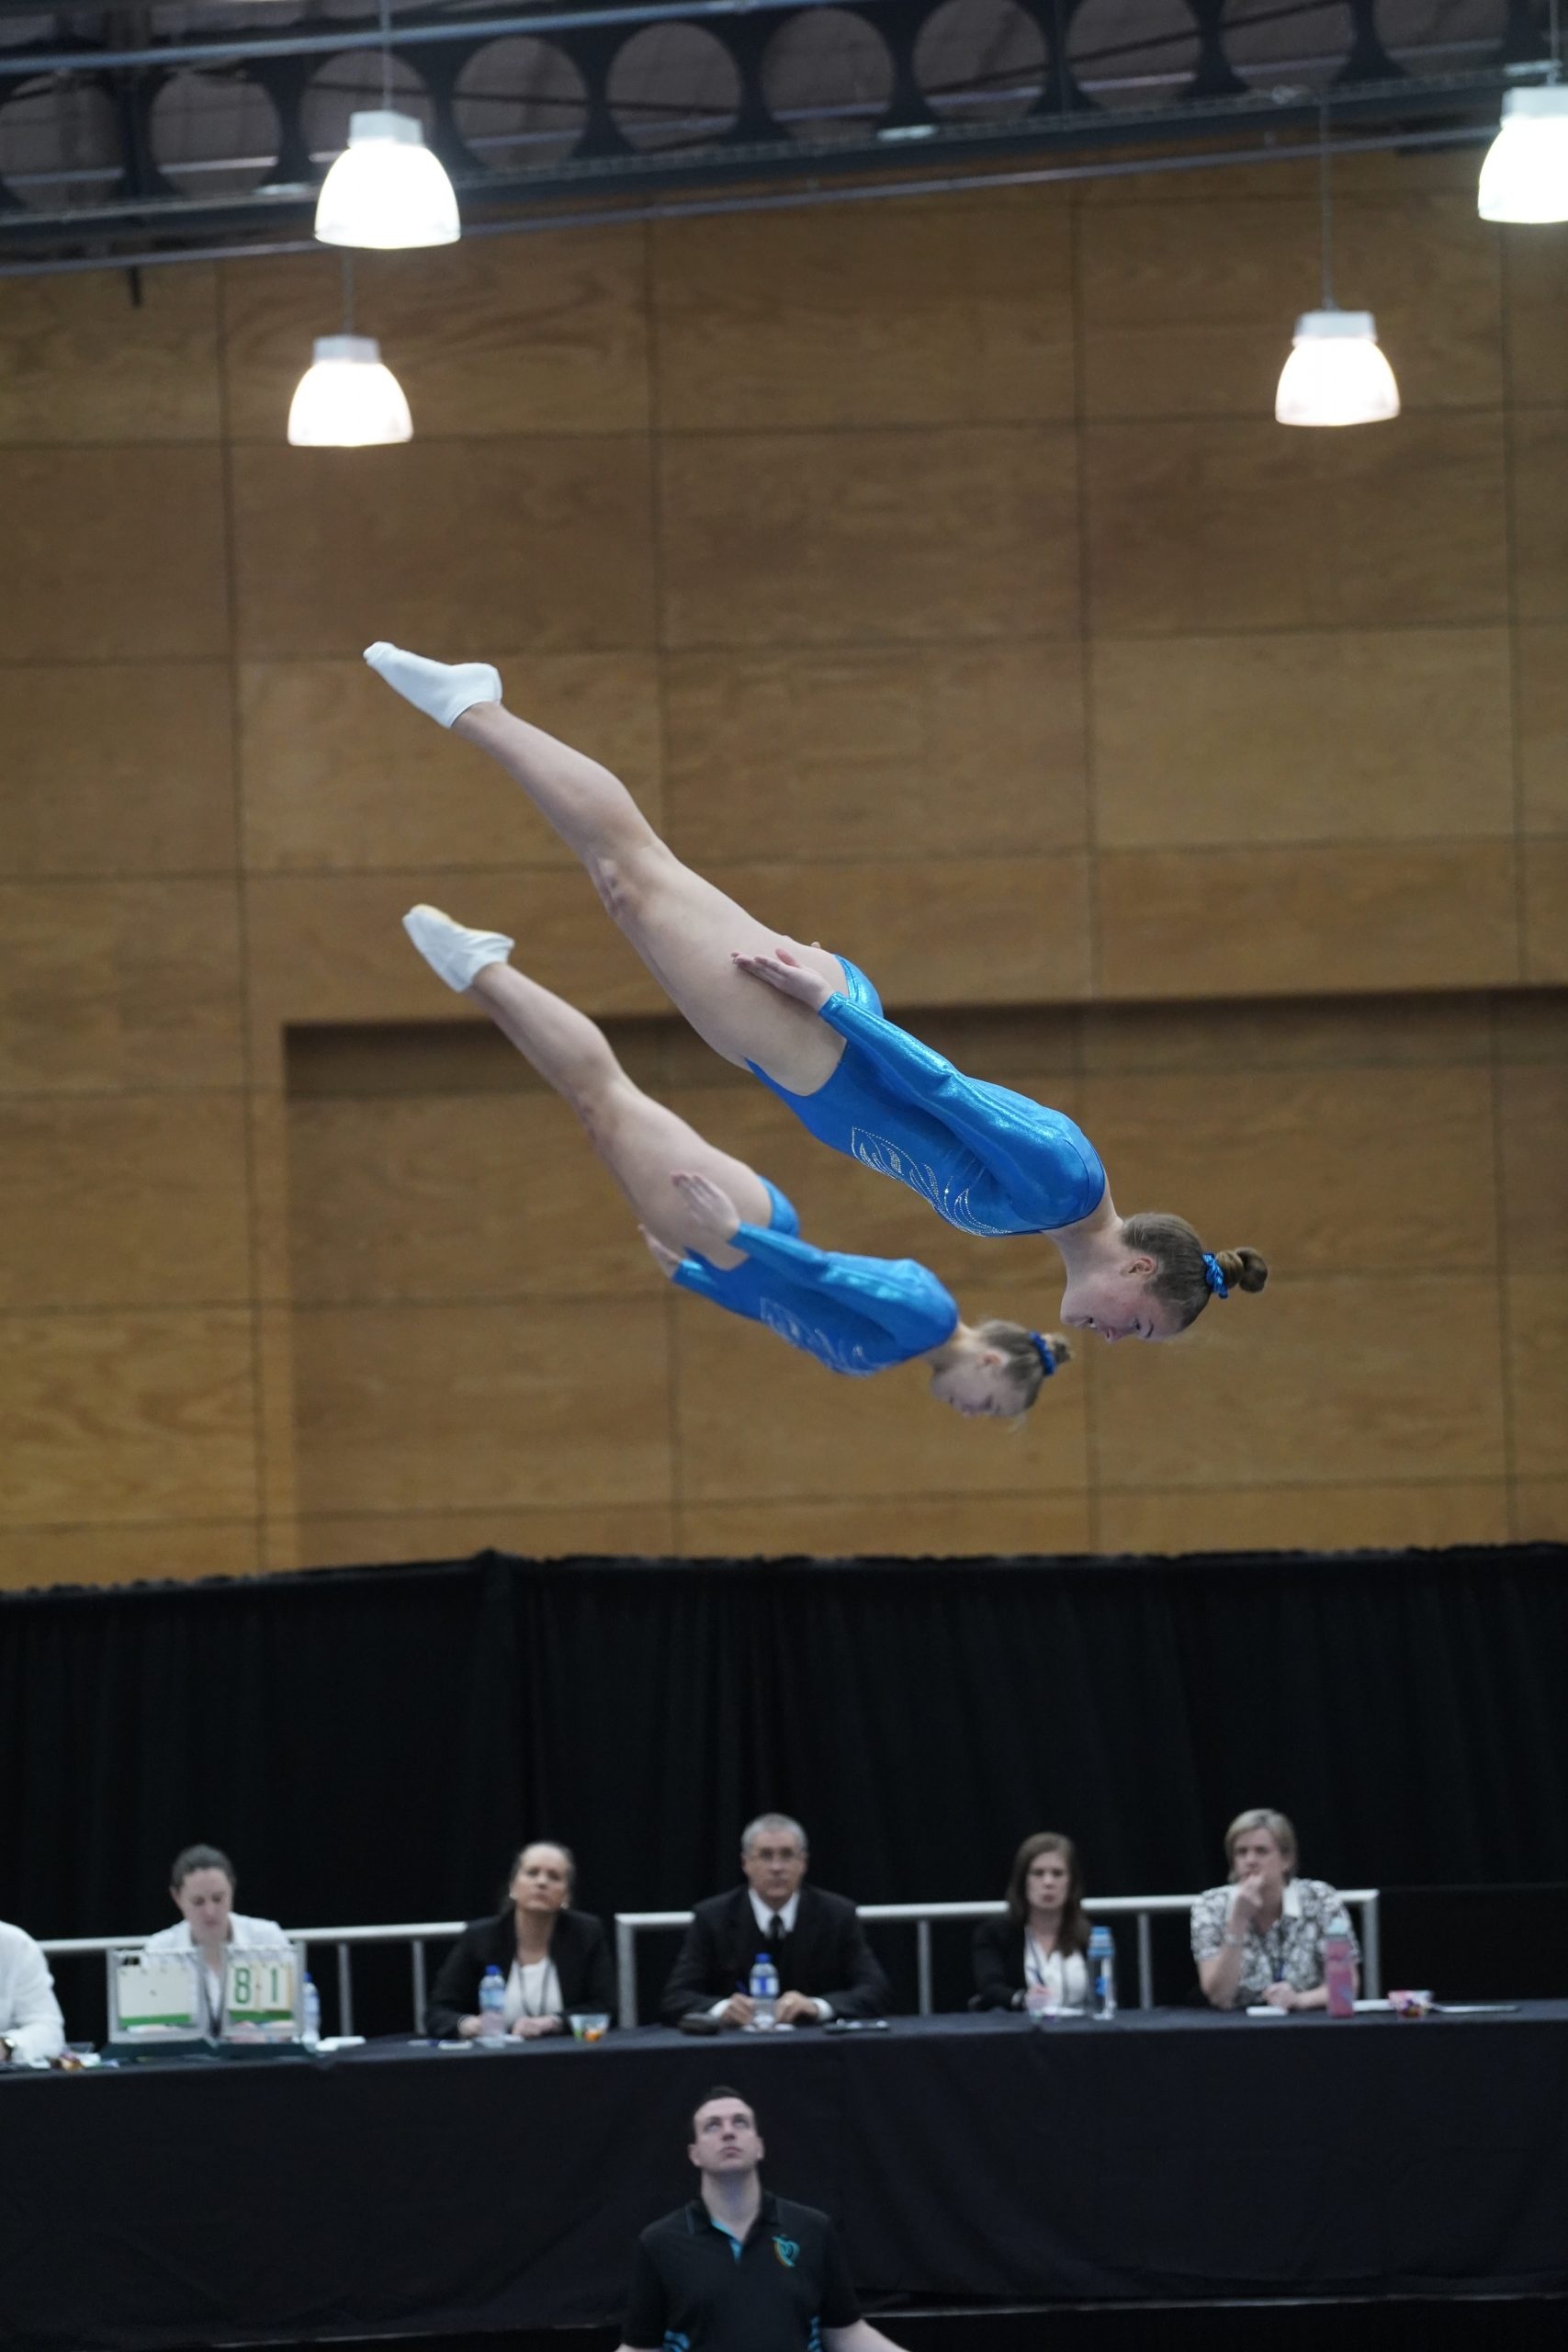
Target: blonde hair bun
{"points": [[1243, 1269]]}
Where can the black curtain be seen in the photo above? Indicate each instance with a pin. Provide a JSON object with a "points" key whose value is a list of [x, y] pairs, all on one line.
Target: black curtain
{"points": [[371, 1745]]}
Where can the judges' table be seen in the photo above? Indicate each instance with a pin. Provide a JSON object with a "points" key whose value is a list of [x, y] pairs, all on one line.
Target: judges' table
{"points": [[401, 2190]]}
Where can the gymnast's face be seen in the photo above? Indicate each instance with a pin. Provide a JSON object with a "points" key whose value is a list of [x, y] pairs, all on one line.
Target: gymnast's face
{"points": [[978, 1385], [1118, 1303]]}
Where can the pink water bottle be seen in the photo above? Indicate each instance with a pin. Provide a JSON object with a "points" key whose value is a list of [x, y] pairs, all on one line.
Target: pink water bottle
{"points": [[1339, 1967]]}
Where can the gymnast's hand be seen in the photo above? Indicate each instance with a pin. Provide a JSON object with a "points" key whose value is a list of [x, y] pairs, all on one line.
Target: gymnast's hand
{"points": [[710, 1209], [667, 1260], [789, 976]]}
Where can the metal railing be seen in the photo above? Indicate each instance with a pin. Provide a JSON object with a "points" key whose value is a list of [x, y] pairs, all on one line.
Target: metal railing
{"points": [[416, 1935], [630, 1925]]}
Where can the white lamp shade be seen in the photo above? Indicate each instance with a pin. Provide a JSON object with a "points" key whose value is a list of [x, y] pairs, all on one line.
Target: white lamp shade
{"points": [[1525, 177], [1336, 373], [346, 399], [387, 190]]}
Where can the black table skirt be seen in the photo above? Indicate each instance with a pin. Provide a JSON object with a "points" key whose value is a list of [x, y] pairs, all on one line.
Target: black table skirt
{"points": [[398, 2189]]}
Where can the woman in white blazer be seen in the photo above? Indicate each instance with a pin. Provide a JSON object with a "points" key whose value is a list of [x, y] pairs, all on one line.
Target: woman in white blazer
{"points": [[202, 1885]]}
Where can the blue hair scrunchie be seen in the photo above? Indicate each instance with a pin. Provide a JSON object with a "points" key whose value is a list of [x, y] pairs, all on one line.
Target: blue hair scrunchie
{"points": [[1041, 1348], [1214, 1275]]}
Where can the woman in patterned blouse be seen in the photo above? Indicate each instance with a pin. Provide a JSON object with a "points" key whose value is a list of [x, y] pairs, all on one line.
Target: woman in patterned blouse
{"points": [[1259, 1940]]}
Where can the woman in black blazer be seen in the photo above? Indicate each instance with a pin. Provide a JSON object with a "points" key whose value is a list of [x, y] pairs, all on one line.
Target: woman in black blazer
{"points": [[553, 1962], [1042, 1941]]}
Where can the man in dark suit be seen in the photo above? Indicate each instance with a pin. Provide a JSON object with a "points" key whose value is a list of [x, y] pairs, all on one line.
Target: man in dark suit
{"points": [[826, 1967]]}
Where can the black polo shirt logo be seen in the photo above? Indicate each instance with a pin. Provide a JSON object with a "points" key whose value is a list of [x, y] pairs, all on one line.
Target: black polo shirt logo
{"points": [[788, 2252]]}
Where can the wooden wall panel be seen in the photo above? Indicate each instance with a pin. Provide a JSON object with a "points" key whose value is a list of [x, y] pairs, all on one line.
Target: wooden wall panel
{"points": [[781, 516], [1540, 1510], [491, 337], [817, 538], [1309, 1033], [1536, 345], [645, 1529], [913, 314], [185, 1549], [1189, 307], [1541, 669], [124, 1200], [109, 985], [341, 775], [1531, 1027], [1298, 738], [117, 768], [875, 753], [458, 1197], [1353, 1379], [332, 947], [457, 549], [121, 551], [84, 359], [1282, 923], [1537, 1370], [1539, 482], [933, 1527], [1315, 1519], [1231, 524], [1545, 865], [1532, 1155], [1305, 1034], [1345, 1170], [122, 1418], [448, 1408]]}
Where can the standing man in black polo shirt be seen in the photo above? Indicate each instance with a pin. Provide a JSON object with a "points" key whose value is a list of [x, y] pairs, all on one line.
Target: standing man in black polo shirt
{"points": [[740, 2269]]}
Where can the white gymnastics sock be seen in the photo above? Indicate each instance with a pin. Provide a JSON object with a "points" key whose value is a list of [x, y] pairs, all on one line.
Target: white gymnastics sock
{"points": [[453, 952], [443, 689]]}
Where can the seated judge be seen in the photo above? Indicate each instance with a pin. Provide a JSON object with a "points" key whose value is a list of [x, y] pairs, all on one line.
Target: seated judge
{"points": [[555, 1961], [1041, 1944], [826, 1967], [1259, 1940], [31, 2024], [201, 1886]]}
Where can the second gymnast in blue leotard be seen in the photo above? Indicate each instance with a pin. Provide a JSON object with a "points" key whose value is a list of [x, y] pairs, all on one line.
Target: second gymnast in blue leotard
{"points": [[718, 1228], [810, 1025]]}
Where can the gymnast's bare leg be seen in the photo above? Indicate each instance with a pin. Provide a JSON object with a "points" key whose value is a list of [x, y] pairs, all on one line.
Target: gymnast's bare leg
{"points": [[686, 931]]}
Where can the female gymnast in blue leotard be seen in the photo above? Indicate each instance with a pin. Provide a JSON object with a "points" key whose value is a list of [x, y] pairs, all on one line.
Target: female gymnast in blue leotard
{"points": [[810, 1025], [717, 1228]]}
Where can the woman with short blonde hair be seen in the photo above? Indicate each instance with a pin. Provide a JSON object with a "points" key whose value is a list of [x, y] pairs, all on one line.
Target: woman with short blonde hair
{"points": [[1257, 1939]]}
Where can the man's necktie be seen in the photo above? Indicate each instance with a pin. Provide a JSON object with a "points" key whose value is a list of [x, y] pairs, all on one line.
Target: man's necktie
{"points": [[775, 1935]]}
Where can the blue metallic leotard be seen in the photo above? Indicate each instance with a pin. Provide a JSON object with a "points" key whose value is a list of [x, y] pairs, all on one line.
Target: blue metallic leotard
{"points": [[988, 1160], [855, 1315]]}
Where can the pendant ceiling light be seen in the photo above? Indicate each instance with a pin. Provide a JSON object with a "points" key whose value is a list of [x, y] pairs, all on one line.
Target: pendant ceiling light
{"points": [[387, 190], [347, 398], [1337, 373], [1525, 177]]}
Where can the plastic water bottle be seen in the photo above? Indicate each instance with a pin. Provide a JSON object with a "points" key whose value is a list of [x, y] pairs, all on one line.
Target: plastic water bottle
{"points": [[764, 1988], [1339, 1967], [1101, 1974], [492, 2003], [310, 2029]]}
